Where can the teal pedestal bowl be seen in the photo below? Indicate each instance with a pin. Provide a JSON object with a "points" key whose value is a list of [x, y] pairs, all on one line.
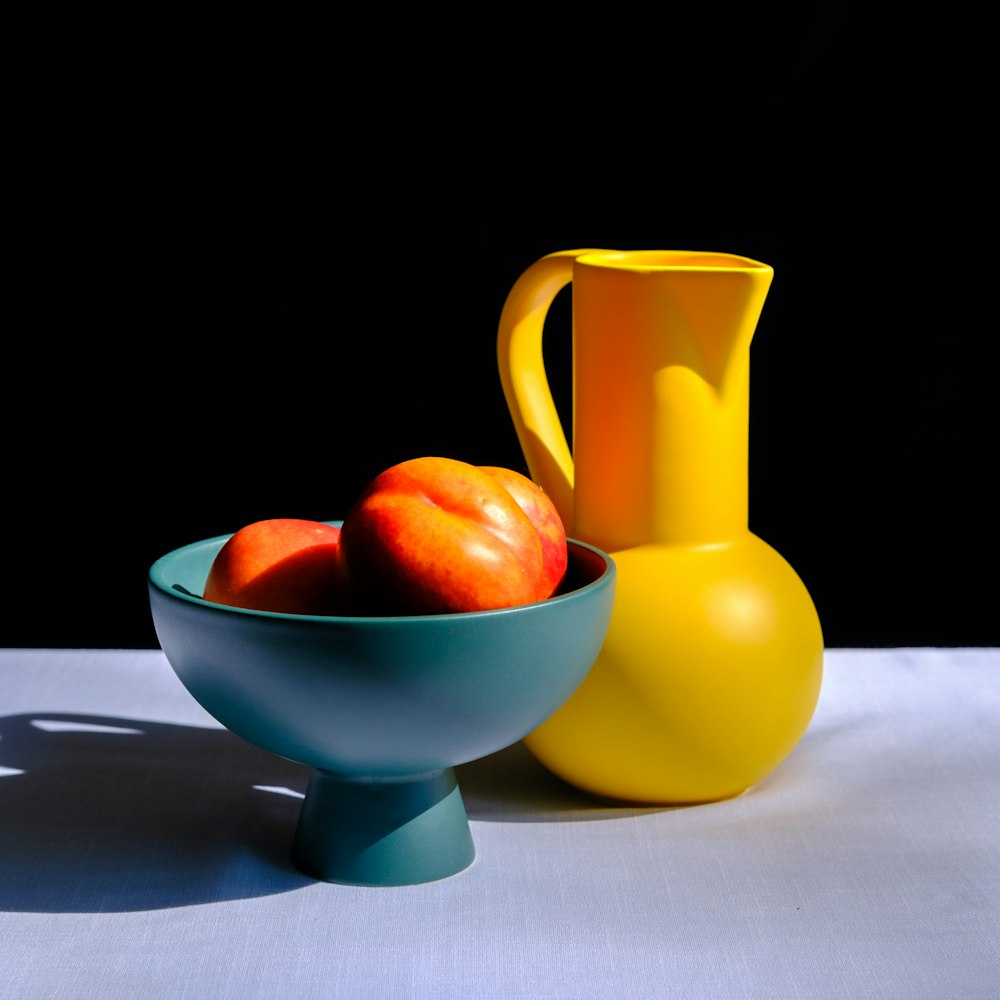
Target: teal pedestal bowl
{"points": [[381, 710]]}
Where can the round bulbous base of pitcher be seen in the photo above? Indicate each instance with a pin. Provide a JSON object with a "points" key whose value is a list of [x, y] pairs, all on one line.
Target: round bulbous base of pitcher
{"points": [[708, 678]]}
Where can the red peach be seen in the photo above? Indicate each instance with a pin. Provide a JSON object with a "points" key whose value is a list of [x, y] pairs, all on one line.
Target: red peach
{"points": [[281, 564], [436, 535]]}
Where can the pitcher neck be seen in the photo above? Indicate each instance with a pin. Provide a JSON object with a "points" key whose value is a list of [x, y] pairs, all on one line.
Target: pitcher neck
{"points": [[669, 469]]}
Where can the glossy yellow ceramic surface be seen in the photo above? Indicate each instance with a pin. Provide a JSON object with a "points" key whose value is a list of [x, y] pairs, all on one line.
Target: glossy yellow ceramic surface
{"points": [[712, 665]]}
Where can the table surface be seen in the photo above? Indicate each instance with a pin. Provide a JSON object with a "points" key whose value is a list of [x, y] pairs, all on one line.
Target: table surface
{"points": [[144, 852]]}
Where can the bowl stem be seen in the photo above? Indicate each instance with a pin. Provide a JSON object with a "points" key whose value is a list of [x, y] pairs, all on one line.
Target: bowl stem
{"points": [[383, 830]]}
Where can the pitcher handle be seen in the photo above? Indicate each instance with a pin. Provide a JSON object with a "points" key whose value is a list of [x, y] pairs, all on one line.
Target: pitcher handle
{"points": [[525, 384]]}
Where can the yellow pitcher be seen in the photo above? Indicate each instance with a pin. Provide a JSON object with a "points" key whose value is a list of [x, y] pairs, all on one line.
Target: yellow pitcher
{"points": [[713, 662]]}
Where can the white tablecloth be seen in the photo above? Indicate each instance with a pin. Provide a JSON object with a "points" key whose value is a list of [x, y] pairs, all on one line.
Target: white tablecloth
{"points": [[144, 853]]}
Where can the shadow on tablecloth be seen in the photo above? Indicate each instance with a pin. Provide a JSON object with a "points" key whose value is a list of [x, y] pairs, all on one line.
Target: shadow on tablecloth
{"points": [[100, 813], [103, 813]]}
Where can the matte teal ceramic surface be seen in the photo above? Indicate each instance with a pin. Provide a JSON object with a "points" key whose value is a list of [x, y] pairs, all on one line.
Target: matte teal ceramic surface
{"points": [[380, 709]]}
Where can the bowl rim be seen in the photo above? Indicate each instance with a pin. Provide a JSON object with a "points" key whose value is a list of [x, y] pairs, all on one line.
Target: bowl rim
{"points": [[157, 578]]}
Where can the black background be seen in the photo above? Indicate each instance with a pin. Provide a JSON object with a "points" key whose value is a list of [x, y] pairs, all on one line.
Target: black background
{"points": [[255, 266]]}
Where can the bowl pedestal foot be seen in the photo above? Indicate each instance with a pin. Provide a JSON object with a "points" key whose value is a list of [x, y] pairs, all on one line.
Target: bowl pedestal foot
{"points": [[383, 830]]}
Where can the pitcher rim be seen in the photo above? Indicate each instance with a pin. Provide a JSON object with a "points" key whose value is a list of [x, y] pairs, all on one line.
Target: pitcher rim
{"points": [[671, 260]]}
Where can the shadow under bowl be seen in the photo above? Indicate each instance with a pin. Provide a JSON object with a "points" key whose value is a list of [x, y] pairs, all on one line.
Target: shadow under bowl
{"points": [[381, 710]]}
